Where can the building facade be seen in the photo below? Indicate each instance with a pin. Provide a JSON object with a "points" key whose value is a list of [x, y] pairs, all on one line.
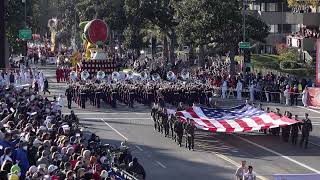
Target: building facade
{"points": [[287, 25]]}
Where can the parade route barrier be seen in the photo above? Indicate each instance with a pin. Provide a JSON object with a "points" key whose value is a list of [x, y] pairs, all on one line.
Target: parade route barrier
{"points": [[125, 174], [260, 95]]}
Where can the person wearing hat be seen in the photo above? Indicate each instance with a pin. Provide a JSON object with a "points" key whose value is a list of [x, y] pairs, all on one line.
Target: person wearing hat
{"points": [[69, 95], [52, 169], [295, 130], [104, 174], [13, 177], [306, 129], [276, 131]]}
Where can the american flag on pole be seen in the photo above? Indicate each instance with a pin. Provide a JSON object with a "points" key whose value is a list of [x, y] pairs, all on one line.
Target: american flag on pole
{"points": [[241, 118]]}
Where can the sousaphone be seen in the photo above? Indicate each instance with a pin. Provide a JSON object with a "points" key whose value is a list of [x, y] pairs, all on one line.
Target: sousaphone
{"points": [[100, 75], [185, 75], [73, 75], [171, 76], [85, 75], [115, 76], [144, 75], [130, 75], [155, 77]]}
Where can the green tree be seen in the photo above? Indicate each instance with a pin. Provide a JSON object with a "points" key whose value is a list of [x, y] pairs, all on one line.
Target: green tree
{"points": [[217, 22]]}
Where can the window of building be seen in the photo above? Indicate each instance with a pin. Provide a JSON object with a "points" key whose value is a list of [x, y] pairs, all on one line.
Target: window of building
{"points": [[274, 28], [256, 6], [271, 7], [295, 28], [263, 7]]}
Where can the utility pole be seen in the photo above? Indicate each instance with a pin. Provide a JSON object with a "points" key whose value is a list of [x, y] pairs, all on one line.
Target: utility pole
{"points": [[245, 3], [25, 13], [25, 26], [246, 59]]}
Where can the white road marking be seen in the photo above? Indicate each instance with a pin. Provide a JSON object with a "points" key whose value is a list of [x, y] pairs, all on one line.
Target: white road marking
{"points": [[279, 154], [139, 148], [115, 130], [160, 164], [314, 144], [314, 117], [237, 164], [233, 162], [309, 109]]}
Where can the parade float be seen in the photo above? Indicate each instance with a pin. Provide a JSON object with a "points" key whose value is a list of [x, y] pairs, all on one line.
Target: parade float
{"points": [[95, 58]]}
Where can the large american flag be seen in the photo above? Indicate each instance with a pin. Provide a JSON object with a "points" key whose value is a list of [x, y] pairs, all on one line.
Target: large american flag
{"points": [[241, 118]]}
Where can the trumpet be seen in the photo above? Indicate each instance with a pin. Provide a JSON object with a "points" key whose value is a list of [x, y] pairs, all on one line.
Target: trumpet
{"points": [[155, 77], [85, 75]]}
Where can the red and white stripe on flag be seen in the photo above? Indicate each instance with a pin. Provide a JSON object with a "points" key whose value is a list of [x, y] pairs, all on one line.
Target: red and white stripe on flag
{"points": [[248, 119]]}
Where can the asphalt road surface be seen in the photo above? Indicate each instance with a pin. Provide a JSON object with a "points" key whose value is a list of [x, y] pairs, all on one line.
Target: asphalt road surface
{"points": [[216, 155]]}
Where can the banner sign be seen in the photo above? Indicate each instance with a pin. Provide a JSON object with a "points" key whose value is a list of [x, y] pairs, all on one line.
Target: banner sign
{"points": [[318, 64], [296, 176], [314, 97]]}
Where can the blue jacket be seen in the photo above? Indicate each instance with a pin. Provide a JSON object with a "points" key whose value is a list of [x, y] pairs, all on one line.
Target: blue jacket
{"points": [[21, 155]]}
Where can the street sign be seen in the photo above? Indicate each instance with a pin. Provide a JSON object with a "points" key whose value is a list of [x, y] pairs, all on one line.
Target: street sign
{"points": [[25, 34], [244, 45]]}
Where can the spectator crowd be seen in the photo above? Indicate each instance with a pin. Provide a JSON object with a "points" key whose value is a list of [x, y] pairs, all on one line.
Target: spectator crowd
{"points": [[37, 141]]}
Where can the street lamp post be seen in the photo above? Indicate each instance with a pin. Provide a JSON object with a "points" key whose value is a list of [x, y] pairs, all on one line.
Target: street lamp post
{"points": [[245, 2], [25, 25], [25, 12]]}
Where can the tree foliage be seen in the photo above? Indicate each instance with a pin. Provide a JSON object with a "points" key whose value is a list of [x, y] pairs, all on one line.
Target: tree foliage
{"points": [[138, 22], [297, 3]]}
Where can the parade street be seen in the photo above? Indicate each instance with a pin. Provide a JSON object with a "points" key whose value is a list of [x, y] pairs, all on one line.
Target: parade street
{"points": [[216, 155]]}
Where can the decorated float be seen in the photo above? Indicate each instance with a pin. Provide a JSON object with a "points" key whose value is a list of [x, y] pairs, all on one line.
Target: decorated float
{"points": [[95, 58]]}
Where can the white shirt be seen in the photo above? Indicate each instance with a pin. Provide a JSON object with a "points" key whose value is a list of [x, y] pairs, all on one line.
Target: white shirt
{"points": [[240, 172], [249, 176], [239, 86], [224, 85], [3, 158]]}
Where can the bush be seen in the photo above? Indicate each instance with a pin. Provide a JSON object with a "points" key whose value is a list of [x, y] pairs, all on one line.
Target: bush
{"points": [[288, 54], [289, 64], [271, 65], [301, 72], [281, 48]]}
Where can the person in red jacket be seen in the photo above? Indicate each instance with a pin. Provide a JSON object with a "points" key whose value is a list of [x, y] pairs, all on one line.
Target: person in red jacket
{"points": [[61, 74], [57, 75]]}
